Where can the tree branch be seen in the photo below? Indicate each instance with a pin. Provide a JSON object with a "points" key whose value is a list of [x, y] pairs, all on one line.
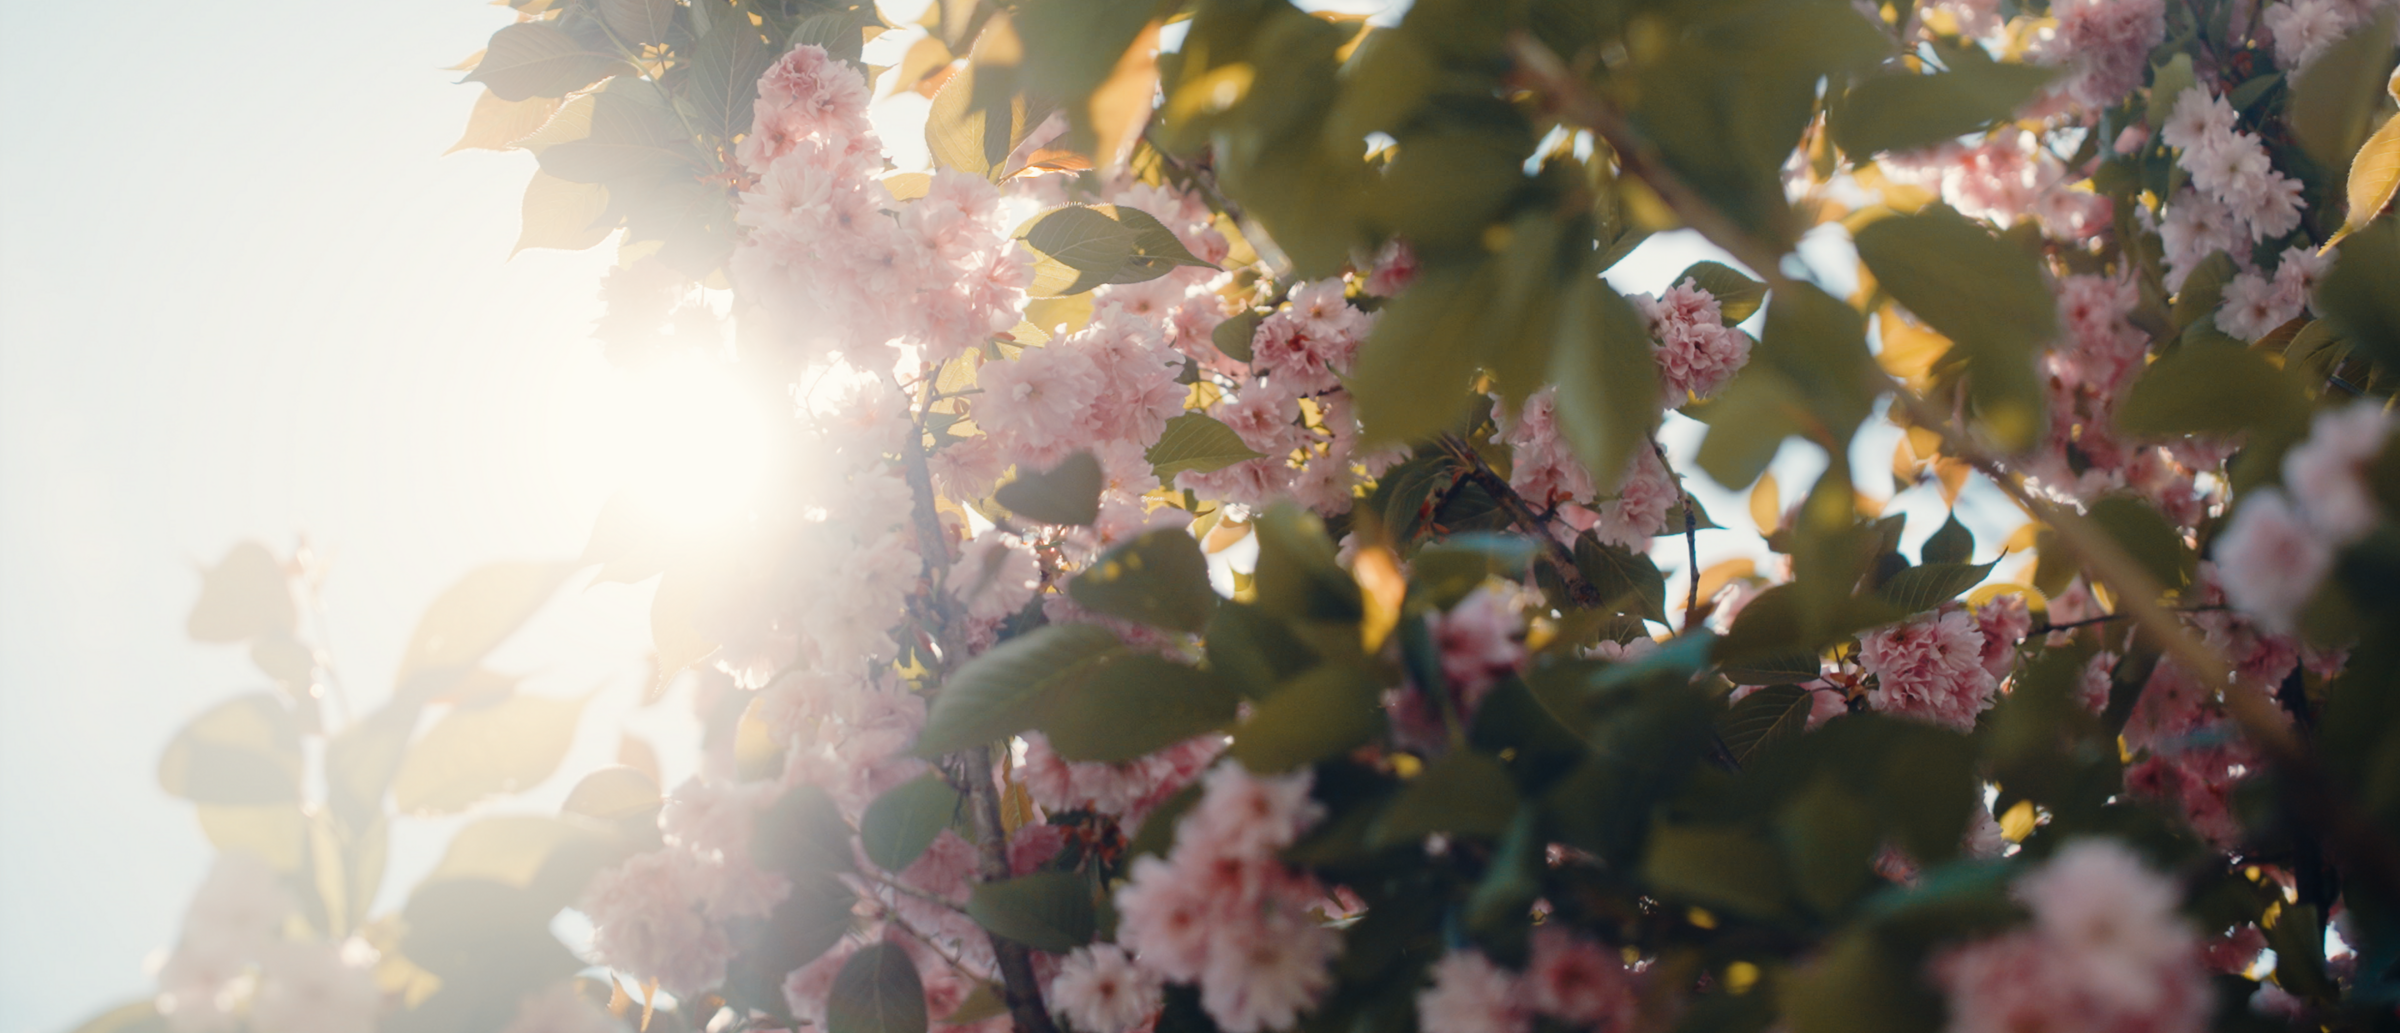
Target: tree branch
{"points": [[1562, 559]]}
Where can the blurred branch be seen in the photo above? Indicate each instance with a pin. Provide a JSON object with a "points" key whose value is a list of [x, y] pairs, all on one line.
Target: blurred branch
{"points": [[1522, 514]]}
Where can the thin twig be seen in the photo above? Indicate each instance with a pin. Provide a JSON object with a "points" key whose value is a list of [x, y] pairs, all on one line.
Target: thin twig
{"points": [[1562, 559]]}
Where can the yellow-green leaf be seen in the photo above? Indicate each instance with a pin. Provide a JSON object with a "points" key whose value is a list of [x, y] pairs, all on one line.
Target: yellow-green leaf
{"points": [[475, 615], [477, 751], [2374, 176], [244, 596], [497, 125], [563, 215], [246, 751]]}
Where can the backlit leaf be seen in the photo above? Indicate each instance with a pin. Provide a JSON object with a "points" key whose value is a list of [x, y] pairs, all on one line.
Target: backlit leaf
{"points": [[1197, 442], [563, 215], [244, 751], [497, 125], [1928, 585], [2374, 176], [244, 596], [538, 59], [481, 750], [614, 792], [1737, 294], [473, 616]]}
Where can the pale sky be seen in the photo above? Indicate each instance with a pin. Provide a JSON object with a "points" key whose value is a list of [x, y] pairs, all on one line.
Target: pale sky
{"points": [[242, 294]]}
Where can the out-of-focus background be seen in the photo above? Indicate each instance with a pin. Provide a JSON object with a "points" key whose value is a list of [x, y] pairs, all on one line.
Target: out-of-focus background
{"points": [[243, 294]]}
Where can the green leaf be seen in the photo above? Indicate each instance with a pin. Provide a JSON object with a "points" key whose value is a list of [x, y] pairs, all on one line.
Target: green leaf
{"points": [[1254, 651], [472, 617], [1737, 294], [1928, 585], [1233, 336], [1765, 717], [244, 751], [2212, 389], [1050, 911], [633, 136], [1136, 705], [522, 851], [1747, 425], [802, 834], [2334, 98], [1411, 376], [1298, 576], [2203, 290], [1626, 580], [1195, 441], [1327, 711], [721, 88], [244, 596], [906, 819], [1829, 837], [2356, 297], [485, 749], [1159, 578], [1504, 898], [1858, 985], [877, 992], [2167, 82], [538, 59], [1068, 493], [811, 919], [1985, 294], [1791, 667], [2147, 537], [638, 22], [1952, 543], [1079, 248], [981, 114], [1462, 793], [1725, 868], [1008, 689], [1904, 111], [1608, 388], [1817, 346]]}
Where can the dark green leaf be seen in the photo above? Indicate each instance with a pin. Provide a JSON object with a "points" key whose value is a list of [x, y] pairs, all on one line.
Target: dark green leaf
{"points": [[1233, 336], [1829, 838], [1009, 688], [1195, 441], [2212, 389], [1298, 577], [1765, 717], [1327, 711], [1051, 911], [1926, 586], [906, 819], [802, 834], [1773, 669], [1985, 294], [1136, 705], [2335, 97], [1254, 651], [1952, 543], [1159, 579], [2147, 537], [1461, 793], [1904, 111], [722, 86], [1608, 389], [2203, 290], [1068, 493], [1818, 347], [1737, 294], [1747, 425], [1718, 867], [1626, 580], [1412, 373], [2357, 296], [877, 992]]}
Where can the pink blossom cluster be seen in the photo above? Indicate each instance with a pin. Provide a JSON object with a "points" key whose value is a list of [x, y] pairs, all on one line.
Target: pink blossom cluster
{"points": [[1479, 641], [832, 262], [1100, 989], [1126, 791], [2005, 177], [235, 959], [1944, 667], [2106, 951], [1222, 911], [1545, 471], [1287, 404], [1697, 353], [2279, 547], [2189, 755], [2107, 43], [1577, 981], [2304, 29], [2241, 198]]}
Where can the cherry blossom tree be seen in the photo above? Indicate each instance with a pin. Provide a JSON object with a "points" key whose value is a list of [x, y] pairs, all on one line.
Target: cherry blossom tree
{"points": [[1006, 730]]}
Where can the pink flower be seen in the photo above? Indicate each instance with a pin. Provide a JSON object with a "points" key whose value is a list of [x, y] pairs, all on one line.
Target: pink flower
{"points": [[1929, 668], [2003, 622], [2272, 561], [2109, 40], [1639, 511], [1247, 816], [994, 577], [1395, 269], [2093, 685], [1099, 990], [1472, 995], [1697, 354], [1164, 917], [1580, 981], [1478, 643], [2304, 29], [1037, 403], [2328, 471], [647, 923], [1263, 975], [807, 93]]}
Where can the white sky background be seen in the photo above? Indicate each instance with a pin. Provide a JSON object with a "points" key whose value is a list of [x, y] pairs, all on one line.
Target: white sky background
{"points": [[242, 294]]}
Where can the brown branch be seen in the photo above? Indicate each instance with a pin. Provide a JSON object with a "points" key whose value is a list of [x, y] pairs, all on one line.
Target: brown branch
{"points": [[1520, 513], [1019, 988]]}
